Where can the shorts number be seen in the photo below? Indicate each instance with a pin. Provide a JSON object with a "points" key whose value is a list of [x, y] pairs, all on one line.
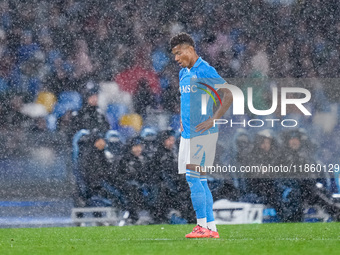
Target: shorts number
{"points": [[199, 149]]}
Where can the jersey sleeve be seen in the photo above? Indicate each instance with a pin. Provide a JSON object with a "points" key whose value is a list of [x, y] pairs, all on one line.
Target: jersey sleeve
{"points": [[180, 74], [179, 79]]}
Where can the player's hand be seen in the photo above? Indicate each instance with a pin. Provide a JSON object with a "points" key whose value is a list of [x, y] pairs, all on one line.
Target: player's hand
{"points": [[181, 126], [204, 126]]}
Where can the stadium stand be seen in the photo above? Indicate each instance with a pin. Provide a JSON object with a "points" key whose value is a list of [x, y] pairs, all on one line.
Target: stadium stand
{"points": [[58, 48]]}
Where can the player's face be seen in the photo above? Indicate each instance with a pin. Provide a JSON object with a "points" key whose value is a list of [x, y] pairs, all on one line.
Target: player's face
{"points": [[137, 150], [170, 142], [93, 100], [294, 143], [266, 144], [184, 55]]}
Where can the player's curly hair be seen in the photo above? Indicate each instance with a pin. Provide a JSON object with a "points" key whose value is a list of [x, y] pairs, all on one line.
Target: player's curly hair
{"points": [[181, 38]]}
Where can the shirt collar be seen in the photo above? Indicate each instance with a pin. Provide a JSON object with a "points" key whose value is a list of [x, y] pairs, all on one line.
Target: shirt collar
{"points": [[198, 61]]}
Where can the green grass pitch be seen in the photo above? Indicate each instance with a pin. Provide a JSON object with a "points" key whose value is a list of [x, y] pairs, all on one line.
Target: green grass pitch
{"points": [[299, 238]]}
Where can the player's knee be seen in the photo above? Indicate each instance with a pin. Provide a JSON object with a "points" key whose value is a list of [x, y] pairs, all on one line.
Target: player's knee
{"points": [[193, 179], [190, 174], [193, 167]]}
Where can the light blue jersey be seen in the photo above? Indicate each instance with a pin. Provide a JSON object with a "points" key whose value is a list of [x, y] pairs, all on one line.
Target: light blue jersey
{"points": [[195, 82]]}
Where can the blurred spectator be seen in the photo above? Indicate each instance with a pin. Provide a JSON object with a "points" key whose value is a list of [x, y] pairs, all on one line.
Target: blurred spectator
{"points": [[27, 47], [15, 119], [5, 63], [265, 153], [170, 98], [60, 77], [150, 141], [242, 147], [129, 80], [3, 110], [91, 116], [303, 189], [27, 76], [239, 155], [143, 99], [93, 168], [103, 51], [83, 66], [169, 187], [131, 178]]}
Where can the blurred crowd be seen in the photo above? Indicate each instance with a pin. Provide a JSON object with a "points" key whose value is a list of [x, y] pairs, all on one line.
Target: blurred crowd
{"points": [[140, 176], [68, 65], [290, 194], [65, 45]]}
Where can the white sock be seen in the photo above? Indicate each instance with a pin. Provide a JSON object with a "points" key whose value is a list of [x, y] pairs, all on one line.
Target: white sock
{"points": [[202, 222], [212, 226]]}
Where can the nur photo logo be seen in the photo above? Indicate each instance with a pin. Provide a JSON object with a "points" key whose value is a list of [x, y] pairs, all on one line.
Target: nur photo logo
{"points": [[281, 99]]}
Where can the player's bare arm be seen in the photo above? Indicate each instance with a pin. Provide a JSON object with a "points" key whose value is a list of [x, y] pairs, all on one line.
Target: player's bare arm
{"points": [[226, 103]]}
